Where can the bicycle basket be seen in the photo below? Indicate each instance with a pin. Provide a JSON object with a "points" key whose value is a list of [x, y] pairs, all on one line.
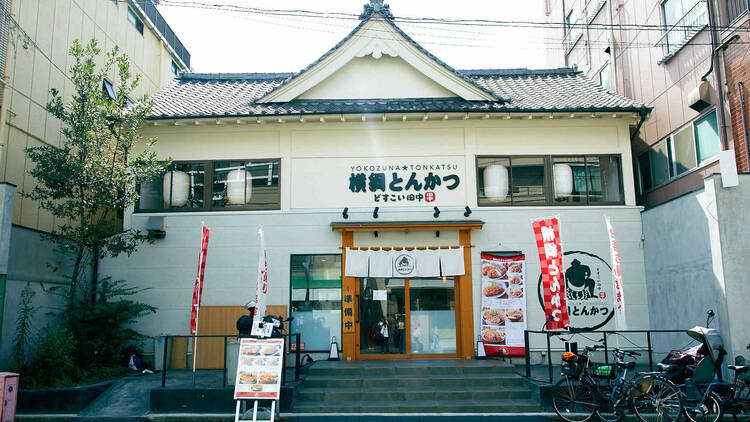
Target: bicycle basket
{"points": [[572, 365], [604, 372]]}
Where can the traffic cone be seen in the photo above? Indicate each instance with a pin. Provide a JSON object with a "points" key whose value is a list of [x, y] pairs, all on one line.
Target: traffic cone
{"points": [[481, 354], [334, 353]]}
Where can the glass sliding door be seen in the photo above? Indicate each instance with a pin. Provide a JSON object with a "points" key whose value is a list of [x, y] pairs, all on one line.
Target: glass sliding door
{"points": [[432, 319], [382, 316], [404, 317]]}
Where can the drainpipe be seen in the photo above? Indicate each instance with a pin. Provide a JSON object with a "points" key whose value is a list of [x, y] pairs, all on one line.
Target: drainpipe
{"points": [[741, 92], [719, 82], [643, 113], [612, 55]]}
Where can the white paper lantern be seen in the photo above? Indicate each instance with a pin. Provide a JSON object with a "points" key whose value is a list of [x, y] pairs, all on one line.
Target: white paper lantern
{"points": [[237, 180], [176, 185], [563, 174], [496, 182]]}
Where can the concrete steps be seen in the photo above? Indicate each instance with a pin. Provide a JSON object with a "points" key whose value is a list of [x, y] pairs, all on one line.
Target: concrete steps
{"points": [[414, 387]]}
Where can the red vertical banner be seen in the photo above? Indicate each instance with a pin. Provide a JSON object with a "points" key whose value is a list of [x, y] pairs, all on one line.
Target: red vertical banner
{"points": [[198, 288], [547, 233]]}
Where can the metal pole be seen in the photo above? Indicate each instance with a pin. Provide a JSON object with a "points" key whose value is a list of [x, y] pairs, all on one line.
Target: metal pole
{"points": [[606, 349], [164, 363], [527, 357], [225, 361], [549, 358], [650, 353], [296, 368]]}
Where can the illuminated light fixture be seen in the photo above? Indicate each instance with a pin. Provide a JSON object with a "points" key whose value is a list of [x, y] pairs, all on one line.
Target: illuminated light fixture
{"points": [[238, 121], [467, 212], [219, 122], [197, 122], [531, 116], [403, 118], [155, 124], [364, 118], [322, 120], [343, 119], [594, 115], [258, 121], [563, 175], [445, 117], [177, 123], [508, 116], [486, 116], [572, 115], [425, 117], [345, 214], [551, 116], [495, 182], [239, 187], [383, 118], [614, 115], [466, 116], [302, 120], [176, 188], [437, 212], [280, 120], [375, 213]]}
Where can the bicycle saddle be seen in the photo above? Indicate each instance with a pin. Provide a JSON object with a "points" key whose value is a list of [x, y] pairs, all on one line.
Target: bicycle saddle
{"points": [[665, 367], [625, 365], [739, 369]]}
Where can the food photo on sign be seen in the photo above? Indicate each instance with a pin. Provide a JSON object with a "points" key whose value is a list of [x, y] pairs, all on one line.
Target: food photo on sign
{"points": [[259, 369], [503, 303]]}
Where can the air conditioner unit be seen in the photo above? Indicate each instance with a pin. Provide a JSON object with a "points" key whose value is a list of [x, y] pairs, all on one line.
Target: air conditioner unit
{"points": [[699, 97]]}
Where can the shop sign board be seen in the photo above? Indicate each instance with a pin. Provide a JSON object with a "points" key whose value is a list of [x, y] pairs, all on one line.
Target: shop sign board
{"points": [[503, 304], [379, 182], [547, 233], [259, 367], [347, 320]]}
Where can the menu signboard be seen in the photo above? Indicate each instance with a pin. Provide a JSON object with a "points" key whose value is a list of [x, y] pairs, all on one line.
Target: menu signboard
{"points": [[503, 304], [259, 367]]}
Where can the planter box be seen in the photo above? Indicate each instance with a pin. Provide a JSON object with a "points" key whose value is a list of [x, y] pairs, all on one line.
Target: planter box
{"points": [[60, 400]]}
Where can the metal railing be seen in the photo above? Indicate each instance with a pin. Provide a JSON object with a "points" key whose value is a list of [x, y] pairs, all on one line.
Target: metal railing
{"points": [[289, 350], [735, 8], [647, 348], [148, 8], [572, 34], [684, 29]]}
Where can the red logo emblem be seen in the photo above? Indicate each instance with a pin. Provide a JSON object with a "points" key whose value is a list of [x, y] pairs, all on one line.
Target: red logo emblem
{"points": [[429, 196], [602, 295]]}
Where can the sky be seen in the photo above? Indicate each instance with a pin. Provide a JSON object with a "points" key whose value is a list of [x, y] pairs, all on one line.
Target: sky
{"points": [[225, 41]]}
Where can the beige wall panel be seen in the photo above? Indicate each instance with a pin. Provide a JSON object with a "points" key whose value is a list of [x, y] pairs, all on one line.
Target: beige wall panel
{"points": [[45, 21], [548, 140], [74, 31], [60, 27], [14, 168], [40, 83], [20, 106], [22, 76], [372, 141], [387, 77], [212, 144], [37, 120]]}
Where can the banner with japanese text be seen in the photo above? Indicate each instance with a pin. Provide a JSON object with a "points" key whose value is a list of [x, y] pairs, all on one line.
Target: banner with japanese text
{"points": [[547, 234], [617, 279], [259, 367], [503, 304], [261, 289], [198, 287]]}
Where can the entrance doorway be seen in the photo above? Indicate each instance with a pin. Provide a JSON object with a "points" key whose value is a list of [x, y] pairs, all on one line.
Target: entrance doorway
{"points": [[403, 317]]}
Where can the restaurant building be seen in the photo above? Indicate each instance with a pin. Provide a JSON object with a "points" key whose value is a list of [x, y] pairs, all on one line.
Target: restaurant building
{"points": [[381, 176]]}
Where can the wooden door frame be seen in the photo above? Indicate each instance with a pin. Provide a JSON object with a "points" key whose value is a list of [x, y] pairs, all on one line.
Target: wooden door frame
{"points": [[464, 290]]}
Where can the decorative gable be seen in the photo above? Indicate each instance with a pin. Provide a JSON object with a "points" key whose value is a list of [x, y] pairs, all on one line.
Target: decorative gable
{"points": [[377, 60]]}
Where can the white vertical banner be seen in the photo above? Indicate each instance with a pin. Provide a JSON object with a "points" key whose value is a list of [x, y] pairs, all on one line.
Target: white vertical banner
{"points": [[617, 279], [261, 288]]}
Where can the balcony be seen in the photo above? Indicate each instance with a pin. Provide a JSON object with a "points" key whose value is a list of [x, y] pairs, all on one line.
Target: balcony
{"points": [[147, 8], [735, 8], [679, 34], [572, 34]]}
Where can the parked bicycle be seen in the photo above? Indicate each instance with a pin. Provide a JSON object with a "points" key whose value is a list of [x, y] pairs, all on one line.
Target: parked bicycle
{"points": [[737, 399], [605, 391]]}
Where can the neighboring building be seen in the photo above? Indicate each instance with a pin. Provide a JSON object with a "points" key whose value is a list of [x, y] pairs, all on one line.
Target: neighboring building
{"points": [[35, 37], [378, 144], [660, 53]]}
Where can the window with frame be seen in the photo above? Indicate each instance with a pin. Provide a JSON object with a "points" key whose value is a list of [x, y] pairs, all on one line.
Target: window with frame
{"points": [[175, 69], [683, 151], [135, 21], [682, 20], [549, 180], [224, 185], [604, 78], [315, 297], [108, 89]]}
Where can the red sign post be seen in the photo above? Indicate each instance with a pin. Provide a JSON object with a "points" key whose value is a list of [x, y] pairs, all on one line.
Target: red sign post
{"points": [[547, 233]]}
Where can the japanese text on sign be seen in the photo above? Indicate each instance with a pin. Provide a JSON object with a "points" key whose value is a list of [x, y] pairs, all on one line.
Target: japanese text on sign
{"points": [[347, 310], [403, 183], [547, 233]]}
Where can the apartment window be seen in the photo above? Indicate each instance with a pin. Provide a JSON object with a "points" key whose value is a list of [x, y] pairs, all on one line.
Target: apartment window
{"points": [[214, 186], [604, 78], [549, 180], [682, 20], [175, 69], [316, 299], [108, 89], [133, 19], [688, 148]]}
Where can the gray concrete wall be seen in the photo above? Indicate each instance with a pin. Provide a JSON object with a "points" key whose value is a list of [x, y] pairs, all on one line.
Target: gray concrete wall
{"points": [[732, 205], [167, 267], [35, 261]]}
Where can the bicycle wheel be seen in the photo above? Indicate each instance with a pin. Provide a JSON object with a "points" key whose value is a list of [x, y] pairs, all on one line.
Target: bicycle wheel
{"points": [[573, 400], [740, 404], [709, 411], [656, 399], [606, 412]]}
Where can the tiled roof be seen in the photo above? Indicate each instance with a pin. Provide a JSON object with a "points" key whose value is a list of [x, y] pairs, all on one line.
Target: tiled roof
{"points": [[233, 95]]}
